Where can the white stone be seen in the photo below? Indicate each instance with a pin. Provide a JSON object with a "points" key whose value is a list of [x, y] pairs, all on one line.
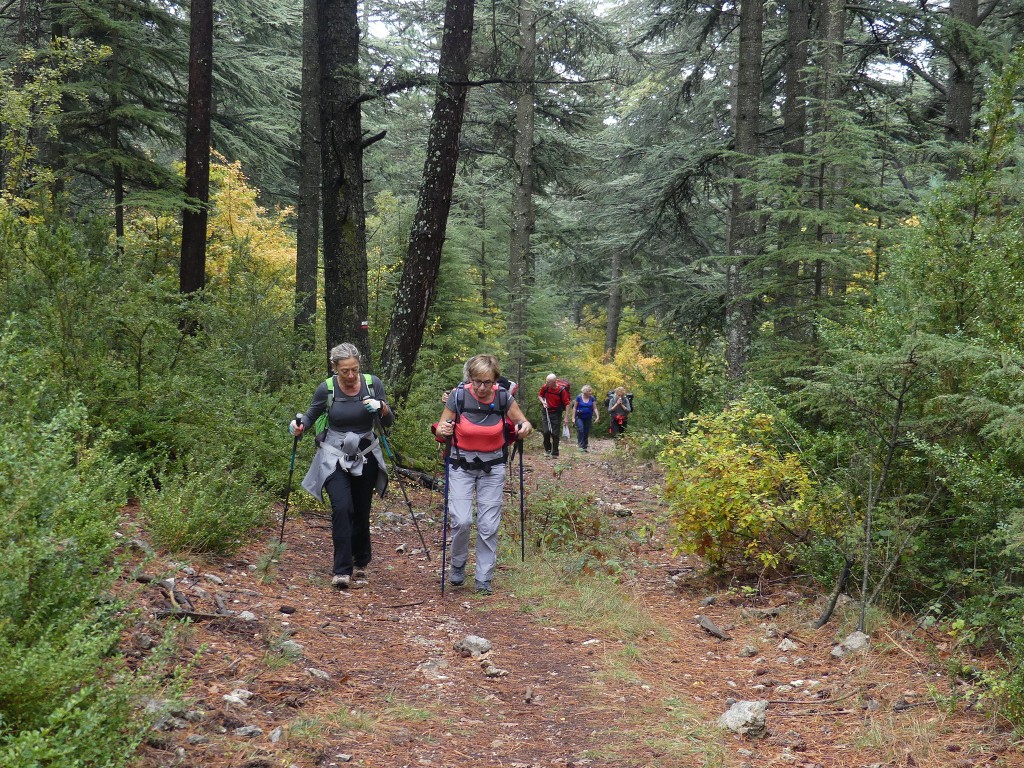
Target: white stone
{"points": [[746, 718]]}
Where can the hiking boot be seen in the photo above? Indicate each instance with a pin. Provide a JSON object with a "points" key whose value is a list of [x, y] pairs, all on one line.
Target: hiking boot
{"points": [[359, 574], [483, 587], [341, 581], [457, 576]]}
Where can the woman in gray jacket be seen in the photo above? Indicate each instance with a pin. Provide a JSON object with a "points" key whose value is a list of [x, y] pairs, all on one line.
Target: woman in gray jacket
{"points": [[348, 463]]}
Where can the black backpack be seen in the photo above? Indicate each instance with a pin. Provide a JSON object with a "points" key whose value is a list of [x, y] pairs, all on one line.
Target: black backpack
{"points": [[611, 399]]}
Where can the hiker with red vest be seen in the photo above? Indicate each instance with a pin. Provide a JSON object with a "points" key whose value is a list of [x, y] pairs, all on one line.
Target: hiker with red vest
{"points": [[473, 423], [554, 399]]}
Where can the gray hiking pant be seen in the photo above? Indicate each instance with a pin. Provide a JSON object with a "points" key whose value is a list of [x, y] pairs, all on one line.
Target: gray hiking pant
{"points": [[488, 487]]}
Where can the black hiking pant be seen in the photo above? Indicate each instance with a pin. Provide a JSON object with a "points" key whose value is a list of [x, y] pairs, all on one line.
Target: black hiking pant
{"points": [[351, 497], [551, 427]]}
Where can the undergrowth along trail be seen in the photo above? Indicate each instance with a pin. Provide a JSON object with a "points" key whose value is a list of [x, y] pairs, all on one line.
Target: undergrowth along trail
{"points": [[597, 658]]}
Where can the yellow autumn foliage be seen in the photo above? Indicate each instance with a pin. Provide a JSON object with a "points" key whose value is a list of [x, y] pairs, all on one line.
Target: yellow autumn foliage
{"points": [[239, 225]]}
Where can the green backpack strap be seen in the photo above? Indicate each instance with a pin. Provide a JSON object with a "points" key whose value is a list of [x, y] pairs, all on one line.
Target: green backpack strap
{"points": [[321, 420]]}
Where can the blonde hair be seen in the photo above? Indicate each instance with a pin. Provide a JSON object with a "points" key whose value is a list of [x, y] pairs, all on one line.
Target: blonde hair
{"points": [[481, 365], [587, 390]]}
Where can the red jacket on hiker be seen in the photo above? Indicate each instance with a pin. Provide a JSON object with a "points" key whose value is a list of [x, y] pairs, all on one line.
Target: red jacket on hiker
{"points": [[555, 397]]}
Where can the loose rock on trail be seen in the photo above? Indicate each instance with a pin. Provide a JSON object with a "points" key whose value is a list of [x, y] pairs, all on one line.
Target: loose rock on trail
{"points": [[284, 670]]}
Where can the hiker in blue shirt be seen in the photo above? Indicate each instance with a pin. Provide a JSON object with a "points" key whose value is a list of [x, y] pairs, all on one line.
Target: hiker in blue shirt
{"points": [[584, 415]]}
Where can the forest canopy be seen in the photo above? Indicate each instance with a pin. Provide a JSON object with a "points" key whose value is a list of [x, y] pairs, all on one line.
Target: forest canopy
{"points": [[793, 231]]}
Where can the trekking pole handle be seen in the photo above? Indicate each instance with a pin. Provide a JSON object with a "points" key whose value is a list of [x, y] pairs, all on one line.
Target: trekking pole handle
{"points": [[298, 422]]}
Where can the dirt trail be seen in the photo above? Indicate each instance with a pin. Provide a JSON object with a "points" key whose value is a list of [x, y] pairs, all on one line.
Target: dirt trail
{"points": [[378, 683]]}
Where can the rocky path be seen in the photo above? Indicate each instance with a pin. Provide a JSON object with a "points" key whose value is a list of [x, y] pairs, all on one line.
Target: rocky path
{"points": [[302, 675]]}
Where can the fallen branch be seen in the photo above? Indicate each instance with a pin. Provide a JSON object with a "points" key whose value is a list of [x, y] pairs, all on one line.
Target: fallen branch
{"points": [[179, 614]]}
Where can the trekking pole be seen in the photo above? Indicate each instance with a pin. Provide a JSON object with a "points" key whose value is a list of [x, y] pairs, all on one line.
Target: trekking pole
{"points": [[522, 503], [444, 524], [394, 461], [291, 471]]}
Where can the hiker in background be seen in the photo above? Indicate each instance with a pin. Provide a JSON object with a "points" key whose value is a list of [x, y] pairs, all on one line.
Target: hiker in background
{"points": [[584, 415], [348, 463], [473, 420], [554, 399], [619, 408]]}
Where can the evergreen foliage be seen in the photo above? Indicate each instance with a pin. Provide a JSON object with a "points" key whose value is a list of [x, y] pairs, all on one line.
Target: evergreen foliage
{"points": [[60, 489], [879, 420]]}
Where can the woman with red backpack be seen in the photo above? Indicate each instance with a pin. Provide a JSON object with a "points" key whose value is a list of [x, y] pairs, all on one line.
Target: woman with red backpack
{"points": [[554, 399], [473, 423]]}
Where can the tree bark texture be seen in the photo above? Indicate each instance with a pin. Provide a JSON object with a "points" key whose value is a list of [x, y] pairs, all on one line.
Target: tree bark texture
{"points": [[611, 328], [831, 25], [794, 130], [423, 260], [344, 217], [520, 257], [739, 319], [963, 23], [199, 111], [307, 240]]}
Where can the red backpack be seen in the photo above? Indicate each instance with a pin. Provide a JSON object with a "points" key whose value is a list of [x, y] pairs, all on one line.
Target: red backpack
{"points": [[563, 389]]}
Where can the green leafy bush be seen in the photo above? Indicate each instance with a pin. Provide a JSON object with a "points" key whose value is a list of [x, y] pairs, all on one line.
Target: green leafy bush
{"points": [[60, 491], [733, 495], [213, 509], [574, 525]]}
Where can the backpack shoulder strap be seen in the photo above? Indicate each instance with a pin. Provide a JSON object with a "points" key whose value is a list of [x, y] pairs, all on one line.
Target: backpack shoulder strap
{"points": [[460, 400], [502, 398], [330, 391]]}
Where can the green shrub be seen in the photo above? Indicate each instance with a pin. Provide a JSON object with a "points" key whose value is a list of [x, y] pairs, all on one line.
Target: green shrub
{"points": [[212, 510], [572, 524], [642, 445], [60, 491], [733, 495]]}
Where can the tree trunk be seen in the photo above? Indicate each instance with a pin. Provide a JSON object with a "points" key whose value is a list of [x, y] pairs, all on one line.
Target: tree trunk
{"points": [[117, 172], [197, 147], [739, 320], [611, 328], [832, 24], [963, 16], [485, 299], [794, 129], [423, 260], [344, 218], [520, 261], [307, 239]]}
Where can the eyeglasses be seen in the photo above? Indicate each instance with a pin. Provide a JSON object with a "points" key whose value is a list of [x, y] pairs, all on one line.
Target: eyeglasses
{"points": [[484, 383]]}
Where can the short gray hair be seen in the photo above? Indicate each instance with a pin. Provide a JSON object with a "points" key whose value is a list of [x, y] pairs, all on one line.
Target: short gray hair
{"points": [[344, 351]]}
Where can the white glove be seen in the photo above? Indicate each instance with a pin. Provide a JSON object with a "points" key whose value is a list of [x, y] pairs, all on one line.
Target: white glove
{"points": [[372, 405]]}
